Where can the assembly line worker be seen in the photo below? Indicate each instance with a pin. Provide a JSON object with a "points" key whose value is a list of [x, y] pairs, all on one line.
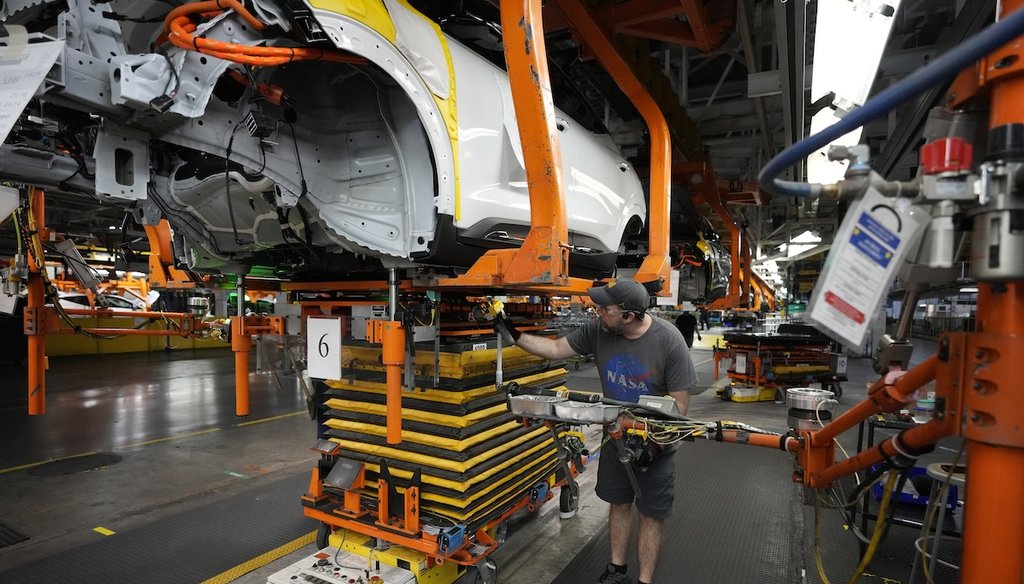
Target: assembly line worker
{"points": [[687, 324], [635, 354]]}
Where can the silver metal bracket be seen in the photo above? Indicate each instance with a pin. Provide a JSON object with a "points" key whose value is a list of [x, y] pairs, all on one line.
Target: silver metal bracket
{"points": [[122, 163]]}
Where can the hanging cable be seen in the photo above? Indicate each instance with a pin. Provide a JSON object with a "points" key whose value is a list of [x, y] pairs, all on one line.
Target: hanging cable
{"points": [[174, 74], [880, 524], [930, 517], [227, 183]]}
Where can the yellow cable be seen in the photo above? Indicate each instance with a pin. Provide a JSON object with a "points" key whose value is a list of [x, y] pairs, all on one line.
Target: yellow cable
{"points": [[876, 537], [817, 538]]}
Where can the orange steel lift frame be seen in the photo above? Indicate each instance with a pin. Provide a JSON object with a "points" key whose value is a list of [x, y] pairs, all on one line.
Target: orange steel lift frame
{"points": [[406, 529], [543, 259]]}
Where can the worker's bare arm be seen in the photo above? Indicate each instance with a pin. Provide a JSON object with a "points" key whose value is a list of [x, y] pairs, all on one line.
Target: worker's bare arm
{"points": [[682, 399], [546, 347]]}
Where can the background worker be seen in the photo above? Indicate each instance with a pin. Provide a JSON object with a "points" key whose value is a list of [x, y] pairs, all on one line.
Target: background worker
{"points": [[687, 324], [636, 354]]}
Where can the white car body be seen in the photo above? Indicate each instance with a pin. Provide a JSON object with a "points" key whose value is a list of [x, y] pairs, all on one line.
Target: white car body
{"points": [[413, 159]]}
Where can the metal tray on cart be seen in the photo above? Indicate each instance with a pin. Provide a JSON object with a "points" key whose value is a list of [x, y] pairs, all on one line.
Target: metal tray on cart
{"points": [[586, 413], [534, 405]]}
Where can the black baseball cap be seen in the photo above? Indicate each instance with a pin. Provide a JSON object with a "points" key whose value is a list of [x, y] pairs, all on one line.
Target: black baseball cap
{"points": [[626, 293]]}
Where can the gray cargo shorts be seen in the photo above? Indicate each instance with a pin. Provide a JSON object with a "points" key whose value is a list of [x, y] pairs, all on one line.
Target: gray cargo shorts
{"points": [[657, 482]]}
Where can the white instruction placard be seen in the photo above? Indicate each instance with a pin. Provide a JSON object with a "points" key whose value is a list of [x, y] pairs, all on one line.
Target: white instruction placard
{"points": [[323, 347], [869, 249], [22, 69]]}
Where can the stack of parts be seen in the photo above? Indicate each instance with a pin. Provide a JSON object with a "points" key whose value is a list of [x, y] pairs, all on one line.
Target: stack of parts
{"points": [[456, 365], [476, 459]]}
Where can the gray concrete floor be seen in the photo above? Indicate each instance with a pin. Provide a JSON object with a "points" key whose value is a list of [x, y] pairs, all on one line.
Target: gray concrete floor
{"points": [[171, 419]]}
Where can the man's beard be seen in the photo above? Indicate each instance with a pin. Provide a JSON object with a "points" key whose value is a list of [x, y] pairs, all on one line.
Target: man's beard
{"points": [[610, 330]]}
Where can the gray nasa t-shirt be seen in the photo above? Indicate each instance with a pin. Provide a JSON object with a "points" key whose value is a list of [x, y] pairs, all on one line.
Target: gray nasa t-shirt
{"points": [[654, 364]]}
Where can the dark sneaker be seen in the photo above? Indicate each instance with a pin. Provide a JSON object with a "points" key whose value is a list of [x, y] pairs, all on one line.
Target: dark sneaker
{"points": [[610, 576]]}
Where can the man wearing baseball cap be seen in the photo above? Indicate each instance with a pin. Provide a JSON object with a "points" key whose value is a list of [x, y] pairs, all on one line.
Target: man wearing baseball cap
{"points": [[636, 354]]}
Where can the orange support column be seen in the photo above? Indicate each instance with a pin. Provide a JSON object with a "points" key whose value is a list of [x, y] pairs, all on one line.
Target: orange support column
{"points": [[544, 255], [35, 331], [35, 313], [656, 265], [241, 344], [993, 538], [393, 357]]}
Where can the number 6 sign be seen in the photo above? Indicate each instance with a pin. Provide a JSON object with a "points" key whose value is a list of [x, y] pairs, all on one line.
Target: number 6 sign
{"points": [[323, 347]]}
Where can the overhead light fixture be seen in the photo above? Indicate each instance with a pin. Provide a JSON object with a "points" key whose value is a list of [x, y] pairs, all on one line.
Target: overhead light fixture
{"points": [[112, 228], [819, 168], [969, 289], [798, 248], [806, 237], [849, 39]]}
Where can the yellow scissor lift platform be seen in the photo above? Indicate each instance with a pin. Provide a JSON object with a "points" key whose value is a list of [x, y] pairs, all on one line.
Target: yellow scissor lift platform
{"points": [[464, 463]]}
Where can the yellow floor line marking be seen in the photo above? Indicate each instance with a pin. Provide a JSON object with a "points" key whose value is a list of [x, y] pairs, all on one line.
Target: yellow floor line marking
{"points": [[262, 560], [104, 531], [251, 422], [175, 437], [42, 462], [147, 442]]}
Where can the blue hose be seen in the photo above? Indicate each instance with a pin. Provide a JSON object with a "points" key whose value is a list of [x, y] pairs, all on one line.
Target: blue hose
{"points": [[948, 64]]}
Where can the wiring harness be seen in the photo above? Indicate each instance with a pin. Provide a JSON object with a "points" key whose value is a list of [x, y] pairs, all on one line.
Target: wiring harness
{"points": [[181, 24]]}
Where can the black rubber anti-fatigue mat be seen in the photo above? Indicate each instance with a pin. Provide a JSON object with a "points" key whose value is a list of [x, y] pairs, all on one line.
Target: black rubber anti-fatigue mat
{"points": [[426, 428], [732, 522], [9, 536], [189, 547]]}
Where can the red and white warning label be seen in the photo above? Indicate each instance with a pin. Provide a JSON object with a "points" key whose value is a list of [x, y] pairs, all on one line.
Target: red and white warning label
{"points": [[868, 251]]}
